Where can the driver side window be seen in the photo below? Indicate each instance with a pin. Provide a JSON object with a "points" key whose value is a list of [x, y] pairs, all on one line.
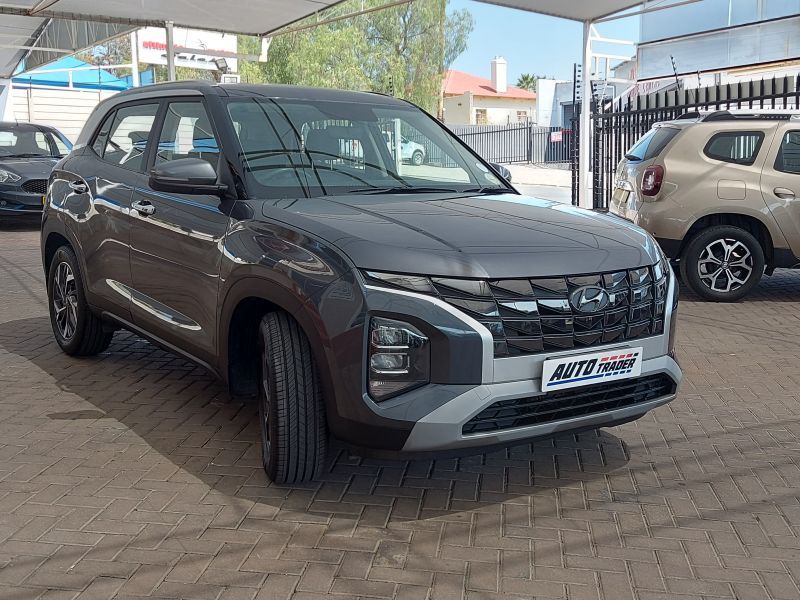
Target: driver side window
{"points": [[124, 141]]}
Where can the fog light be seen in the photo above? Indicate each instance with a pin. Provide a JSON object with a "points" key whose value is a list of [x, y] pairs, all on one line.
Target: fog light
{"points": [[399, 358]]}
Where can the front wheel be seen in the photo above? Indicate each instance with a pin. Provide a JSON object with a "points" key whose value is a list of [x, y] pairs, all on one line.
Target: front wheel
{"points": [[294, 434], [722, 263], [417, 158]]}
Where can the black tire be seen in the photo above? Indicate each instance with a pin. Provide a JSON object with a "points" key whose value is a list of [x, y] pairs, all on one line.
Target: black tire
{"points": [[87, 336], [417, 158], [294, 433], [707, 253]]}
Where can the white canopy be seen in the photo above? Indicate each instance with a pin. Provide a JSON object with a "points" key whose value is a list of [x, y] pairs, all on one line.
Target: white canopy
{"points": [[575, 10]]}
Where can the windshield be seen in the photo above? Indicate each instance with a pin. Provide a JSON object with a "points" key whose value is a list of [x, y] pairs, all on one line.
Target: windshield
{"points": [[300, 148], [27, 141]]}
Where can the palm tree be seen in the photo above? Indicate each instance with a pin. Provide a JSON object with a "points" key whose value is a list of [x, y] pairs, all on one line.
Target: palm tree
{"points": [[526, 81]]}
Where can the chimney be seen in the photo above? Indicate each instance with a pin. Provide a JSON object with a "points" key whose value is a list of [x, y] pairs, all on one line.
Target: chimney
{"points": [[500, 74]]}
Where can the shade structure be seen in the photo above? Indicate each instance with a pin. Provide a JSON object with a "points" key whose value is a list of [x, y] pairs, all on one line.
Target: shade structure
{"points": [[575, 10], [56, 74]]}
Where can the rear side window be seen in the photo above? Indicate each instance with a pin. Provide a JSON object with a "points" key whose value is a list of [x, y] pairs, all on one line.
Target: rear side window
{"points": [[123, 140], [739, 147], [788, 159], [652, 143]]}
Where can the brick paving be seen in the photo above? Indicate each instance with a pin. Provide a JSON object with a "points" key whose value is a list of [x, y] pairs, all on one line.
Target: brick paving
{"points": [[132, 475]]}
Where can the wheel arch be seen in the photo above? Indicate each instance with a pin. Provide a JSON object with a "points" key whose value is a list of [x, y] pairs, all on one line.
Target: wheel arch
{"points": [[748, 222], [245, 303]]}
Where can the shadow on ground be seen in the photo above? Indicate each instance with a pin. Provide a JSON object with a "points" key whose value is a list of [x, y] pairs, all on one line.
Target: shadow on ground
{"points": [[146, 405]]}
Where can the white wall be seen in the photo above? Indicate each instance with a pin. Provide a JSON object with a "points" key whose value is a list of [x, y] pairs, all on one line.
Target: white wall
{"points": [[64, 109], [499, 111], [458, 109]]}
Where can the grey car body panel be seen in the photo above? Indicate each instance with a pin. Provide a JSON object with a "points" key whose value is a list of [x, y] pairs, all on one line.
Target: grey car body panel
{"points": [[181, 275]]}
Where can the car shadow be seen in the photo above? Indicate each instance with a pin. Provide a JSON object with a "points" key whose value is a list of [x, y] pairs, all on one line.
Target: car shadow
{"points": [[33, 223], [146, 404]]}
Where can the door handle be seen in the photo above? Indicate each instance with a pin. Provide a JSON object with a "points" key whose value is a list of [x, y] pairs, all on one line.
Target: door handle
{"points": [[143, 207], [78, 187], [782, 192]]}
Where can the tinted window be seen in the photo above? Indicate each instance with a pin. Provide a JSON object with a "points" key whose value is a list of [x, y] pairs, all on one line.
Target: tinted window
{"points": [[187, 133], [740, 147], [125, 142], [789, 154], [652, 143]]}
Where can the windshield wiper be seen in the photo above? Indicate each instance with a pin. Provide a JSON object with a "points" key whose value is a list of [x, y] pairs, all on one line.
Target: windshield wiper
{"points": [[403, 190], [485, 190]]}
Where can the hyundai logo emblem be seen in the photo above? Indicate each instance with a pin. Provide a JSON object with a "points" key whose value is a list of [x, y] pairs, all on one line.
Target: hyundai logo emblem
{"points": [[589, 299]]}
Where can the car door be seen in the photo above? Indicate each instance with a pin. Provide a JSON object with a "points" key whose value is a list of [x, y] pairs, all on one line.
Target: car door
{"points": [[176, 239], [780, 182], [100, 181]]}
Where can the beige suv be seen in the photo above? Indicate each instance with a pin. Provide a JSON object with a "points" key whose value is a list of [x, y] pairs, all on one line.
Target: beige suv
{"points": [[719, 192]]}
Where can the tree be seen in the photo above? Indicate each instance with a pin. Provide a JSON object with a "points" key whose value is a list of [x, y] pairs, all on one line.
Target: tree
{"points": [[526, 81], [404, 49]]}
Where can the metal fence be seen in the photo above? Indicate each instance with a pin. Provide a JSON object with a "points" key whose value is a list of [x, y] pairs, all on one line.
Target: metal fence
{"points": [[620, 125], [517, 142]]}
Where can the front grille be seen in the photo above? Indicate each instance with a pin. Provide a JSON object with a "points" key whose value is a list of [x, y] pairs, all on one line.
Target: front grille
{"points": [[577, 402], [35, 186], [529, 316]]}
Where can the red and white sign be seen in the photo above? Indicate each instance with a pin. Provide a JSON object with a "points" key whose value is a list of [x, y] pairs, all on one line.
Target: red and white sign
{"points": [[193, 48], [556, 137]]}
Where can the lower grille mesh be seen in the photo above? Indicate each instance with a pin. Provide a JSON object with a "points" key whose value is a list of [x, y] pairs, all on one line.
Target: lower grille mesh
{"points": [[577, 402]]}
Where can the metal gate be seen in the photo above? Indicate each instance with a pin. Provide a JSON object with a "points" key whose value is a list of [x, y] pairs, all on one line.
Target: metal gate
{"points": [[517, 142], [616, 127]]}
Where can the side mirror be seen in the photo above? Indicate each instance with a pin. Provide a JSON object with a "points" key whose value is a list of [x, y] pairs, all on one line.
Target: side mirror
{"points": [[186, 176], [504, 173]]}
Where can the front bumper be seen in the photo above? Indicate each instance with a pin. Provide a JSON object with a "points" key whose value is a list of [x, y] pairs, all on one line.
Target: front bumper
{"points": [[17, 202], [437, 413]]}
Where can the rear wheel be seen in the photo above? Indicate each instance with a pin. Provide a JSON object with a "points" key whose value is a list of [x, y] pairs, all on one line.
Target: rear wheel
{"points": [[293, 429], [417, 158], [78, 331], [722, 263]]}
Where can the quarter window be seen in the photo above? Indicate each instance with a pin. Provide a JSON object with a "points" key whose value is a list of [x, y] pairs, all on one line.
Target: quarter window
{"points": [[739, 147], [125, 142], [187, 133], [788, 159]]}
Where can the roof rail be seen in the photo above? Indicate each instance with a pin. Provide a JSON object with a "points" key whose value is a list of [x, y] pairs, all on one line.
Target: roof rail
{"points": [[692, 114], [727, 115]]}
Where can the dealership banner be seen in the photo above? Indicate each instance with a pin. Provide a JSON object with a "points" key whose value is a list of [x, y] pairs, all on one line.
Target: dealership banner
{"points": [[193, 48]]}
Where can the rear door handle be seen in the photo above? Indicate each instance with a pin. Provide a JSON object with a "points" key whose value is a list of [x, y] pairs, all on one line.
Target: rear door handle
{"points": [[143, 207], [782, 192], [78, 187]]}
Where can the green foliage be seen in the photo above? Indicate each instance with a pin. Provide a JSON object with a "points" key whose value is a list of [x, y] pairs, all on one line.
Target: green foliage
{"points": [[526, 81], [405, 50]]}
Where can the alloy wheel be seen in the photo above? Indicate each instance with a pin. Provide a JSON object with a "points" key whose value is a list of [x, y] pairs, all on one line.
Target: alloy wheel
{"points": [[265, 410], [65, 301], [725, 265]]}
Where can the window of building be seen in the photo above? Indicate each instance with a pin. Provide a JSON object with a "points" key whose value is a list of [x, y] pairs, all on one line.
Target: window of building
{"points": [[522, 116], [788, 159], [740, 147], [480, 116]]}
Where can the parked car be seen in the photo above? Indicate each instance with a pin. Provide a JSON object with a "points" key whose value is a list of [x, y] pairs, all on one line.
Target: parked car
{"points": [[401, 313], [28, 153], [719, 192]]}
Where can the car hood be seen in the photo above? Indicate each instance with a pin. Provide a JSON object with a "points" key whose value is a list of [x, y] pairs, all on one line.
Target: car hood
{"points": [[29, 168], [503, 235]]}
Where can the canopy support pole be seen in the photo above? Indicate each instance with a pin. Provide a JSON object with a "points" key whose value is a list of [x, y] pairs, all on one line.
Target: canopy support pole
{"points": [[170, 52], [135, 79], [584, 140]]}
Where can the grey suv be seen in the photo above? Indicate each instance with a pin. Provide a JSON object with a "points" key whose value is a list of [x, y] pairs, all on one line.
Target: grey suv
{"points": [[397, 307]]}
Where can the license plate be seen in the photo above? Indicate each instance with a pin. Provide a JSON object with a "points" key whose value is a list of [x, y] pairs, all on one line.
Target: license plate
{"points": [[620, 196], [587, 369]]}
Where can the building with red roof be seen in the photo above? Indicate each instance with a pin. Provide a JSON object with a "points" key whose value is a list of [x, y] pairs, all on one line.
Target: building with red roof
{"points": [[473, 100]]}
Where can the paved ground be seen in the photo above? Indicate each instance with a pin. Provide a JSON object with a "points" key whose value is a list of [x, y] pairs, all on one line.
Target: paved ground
{"points": [[132, 475]]}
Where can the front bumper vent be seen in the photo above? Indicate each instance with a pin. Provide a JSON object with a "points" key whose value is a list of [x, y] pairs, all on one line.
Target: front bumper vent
{"points": [[35, 186], [566, 404], [530, 316]]}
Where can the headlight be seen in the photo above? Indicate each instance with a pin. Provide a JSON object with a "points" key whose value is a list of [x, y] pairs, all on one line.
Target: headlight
{"points": [[398, 359], [8, 177]]}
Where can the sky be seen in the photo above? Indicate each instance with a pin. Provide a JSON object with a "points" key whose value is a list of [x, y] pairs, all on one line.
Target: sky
{"points": [[531, 43]]}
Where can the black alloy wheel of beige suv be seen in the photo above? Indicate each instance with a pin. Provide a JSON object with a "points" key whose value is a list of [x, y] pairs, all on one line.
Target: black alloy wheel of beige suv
{"points": [[402, 308]]}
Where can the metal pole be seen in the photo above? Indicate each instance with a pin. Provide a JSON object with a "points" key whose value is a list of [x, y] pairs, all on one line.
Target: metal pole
{"points": [[584, 197], [170, 52], [135, 80]]}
